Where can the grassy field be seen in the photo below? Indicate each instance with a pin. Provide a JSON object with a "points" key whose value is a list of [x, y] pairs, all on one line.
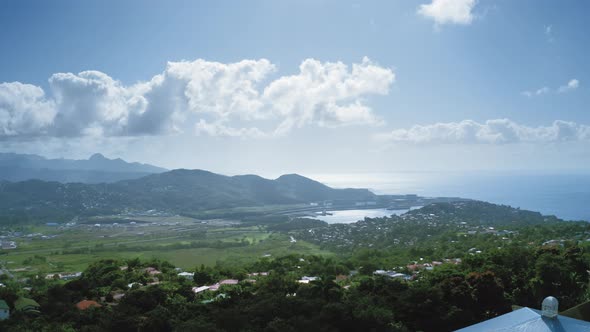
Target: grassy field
{"points": [[185, 243], [274, 245]]}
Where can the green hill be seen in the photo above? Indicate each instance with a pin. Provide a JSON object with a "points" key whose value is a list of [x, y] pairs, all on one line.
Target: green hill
{"points": [[174, 191]]}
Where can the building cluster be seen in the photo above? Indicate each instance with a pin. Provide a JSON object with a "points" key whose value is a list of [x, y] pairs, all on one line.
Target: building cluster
{"points": [[8, 238], [392, 274], [64, 276], [417, 266], [4, 244], [215, 287]]}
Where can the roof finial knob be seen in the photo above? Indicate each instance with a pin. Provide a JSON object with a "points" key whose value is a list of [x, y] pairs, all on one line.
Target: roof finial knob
{"points": [[550, 307]]}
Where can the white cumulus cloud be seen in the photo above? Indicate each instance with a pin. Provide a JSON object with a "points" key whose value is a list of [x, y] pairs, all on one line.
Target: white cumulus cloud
{"points": [[571, 85], [449, 11], [538, 92], [24, 110], [211, 94], [328, 94], [222, 89], [91, 101], [497, 131]]}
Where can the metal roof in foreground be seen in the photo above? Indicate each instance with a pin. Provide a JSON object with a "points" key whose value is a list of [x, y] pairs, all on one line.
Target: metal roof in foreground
{"points": [[529, 320]]}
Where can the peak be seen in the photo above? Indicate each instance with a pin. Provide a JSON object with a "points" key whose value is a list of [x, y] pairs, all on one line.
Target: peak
{"points": [[190, 172], [97, 156], [291, 176], [295, 178]]}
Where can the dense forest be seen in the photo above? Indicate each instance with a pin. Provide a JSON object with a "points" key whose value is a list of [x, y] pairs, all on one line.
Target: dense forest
{"points": [[344, 295]]}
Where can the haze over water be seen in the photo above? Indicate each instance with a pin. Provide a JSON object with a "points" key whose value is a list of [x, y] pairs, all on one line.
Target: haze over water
{"points": [[566, 195]]}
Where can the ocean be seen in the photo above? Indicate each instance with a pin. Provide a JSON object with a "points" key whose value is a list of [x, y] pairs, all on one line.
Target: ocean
{"points": [[565, 195]]}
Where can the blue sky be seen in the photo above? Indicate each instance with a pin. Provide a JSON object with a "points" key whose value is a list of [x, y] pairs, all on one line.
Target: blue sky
{"points": [[446, 84]]}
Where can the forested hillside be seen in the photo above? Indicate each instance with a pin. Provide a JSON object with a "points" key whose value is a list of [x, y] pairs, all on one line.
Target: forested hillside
{"points": [[178, 191], [337, 299]]}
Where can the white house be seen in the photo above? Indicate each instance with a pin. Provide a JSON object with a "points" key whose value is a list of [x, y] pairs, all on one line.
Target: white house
{"points": [[197, 290]]}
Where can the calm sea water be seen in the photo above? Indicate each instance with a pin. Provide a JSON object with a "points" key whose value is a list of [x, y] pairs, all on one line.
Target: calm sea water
{"points": [[350, 216], [564, 195]]}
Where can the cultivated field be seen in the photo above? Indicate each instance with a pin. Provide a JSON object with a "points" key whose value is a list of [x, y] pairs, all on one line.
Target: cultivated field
{"points": [[183, 241]]}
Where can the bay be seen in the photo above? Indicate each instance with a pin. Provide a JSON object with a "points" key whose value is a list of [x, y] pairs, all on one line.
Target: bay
{"points": [[563, 194], [350, 216]]}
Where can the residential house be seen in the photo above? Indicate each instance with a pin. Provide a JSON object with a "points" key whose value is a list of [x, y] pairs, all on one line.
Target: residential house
{"points": [[4, 310], [70, 276], [306, 280], [256, 274], [391, 274], [198, 290], [216, 286], [85, 304], [229, 282], [8, 244], [26, 305], [152, 271]]}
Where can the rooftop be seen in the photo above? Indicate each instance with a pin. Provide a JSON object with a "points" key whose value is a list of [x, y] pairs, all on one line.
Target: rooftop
{"points": [[85, 304], [529, 320], [23, 303]]}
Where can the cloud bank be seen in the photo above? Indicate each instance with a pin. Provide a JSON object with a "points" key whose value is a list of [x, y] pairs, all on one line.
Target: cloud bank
{"points": [[449, 11], [211, 94], [498, 131]]}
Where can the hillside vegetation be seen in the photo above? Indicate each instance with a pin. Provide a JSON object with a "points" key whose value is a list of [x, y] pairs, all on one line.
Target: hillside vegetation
{"points": [[177, 191]]}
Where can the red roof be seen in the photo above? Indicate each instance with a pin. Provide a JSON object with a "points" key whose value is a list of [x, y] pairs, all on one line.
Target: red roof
{"points": [[341, 277], [85, 304]]}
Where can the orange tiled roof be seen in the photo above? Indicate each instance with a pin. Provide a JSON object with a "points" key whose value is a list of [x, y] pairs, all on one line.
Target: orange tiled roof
{"points": [[85, 304]]}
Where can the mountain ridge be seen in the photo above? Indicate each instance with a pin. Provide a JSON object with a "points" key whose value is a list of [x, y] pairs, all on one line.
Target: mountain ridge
{"points": [[97, 168], [178, 191]]}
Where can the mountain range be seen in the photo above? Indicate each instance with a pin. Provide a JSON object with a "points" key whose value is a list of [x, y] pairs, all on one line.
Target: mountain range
{"points": [[178, 191], [96, 169]]}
